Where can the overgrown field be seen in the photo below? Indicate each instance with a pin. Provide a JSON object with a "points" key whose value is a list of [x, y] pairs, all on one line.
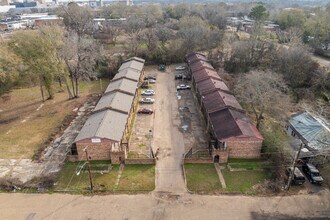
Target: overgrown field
{"points": [[26, 123]]}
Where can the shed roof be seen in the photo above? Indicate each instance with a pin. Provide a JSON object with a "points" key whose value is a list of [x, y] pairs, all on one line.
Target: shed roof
{"points": [[218, 100], [312, 129], [229, 123], [124, 85], [204, 74], [196, 57], [189, 55], [128, 73], [132, 64], [136, 59], [115, 100], [210, 85], [106, 124], [200, 65]]}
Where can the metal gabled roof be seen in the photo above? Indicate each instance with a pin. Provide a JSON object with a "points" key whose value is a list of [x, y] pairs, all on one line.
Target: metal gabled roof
{"points": [[126, 85], [132, 64], [108, 124], [128, 73], [115, 100], [313, 130]]}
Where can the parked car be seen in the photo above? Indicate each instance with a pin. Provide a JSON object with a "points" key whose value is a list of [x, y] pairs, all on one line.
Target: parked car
{"points": [[312, 173], [150, 77], [162, 67], [148, 92], [187, 77], [178, 76], [146, 111], [180, 68], [182, 87], [147, 101], [151, 81], [298, 177]]}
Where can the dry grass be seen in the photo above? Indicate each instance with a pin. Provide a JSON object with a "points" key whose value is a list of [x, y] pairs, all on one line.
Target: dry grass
{"points": [[24, 129]]}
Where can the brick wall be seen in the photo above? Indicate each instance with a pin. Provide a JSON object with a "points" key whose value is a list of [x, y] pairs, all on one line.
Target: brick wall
{"points": [[140, 161], [97, 151], [244, 149], [198, 160]]}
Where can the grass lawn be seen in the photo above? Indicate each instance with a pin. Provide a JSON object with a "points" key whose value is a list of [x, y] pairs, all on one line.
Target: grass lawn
{"points": [[135, 154], [202, 178], [26, 128], [68, 180], [137, 177], [243, 181], [242, 160], [246, 163]]}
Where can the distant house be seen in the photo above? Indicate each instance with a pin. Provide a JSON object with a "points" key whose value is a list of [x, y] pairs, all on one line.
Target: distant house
{"points": [[105, 133], [313, 131], [232, 135]]}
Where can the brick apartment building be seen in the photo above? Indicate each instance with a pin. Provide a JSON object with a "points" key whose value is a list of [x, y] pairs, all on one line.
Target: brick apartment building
{"points": [[105, 133], [232, 135]]}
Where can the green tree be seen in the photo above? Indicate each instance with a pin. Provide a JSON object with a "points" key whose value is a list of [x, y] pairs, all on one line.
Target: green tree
{"points": [[291, 18], [9, 67], [37, 54], [318, 27], [54, 35], [259, 13]]}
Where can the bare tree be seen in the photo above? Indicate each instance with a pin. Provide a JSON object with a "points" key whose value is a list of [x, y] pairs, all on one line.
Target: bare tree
{"points": [[293, 36], [163, 34], [297, 66], [263, 92], [249, 54], [77, 19], [150, 38], [133, 26], [80, 56], [112, 31]]}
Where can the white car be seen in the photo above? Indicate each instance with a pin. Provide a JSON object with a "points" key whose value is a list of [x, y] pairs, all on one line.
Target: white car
{"points": [[152, 81], [180, 68], [147, 101], [148, 92], [182, 87]]}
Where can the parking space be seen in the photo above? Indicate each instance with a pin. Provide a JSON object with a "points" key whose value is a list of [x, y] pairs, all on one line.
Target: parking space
{"points": [[187, 117], [175, 127]]}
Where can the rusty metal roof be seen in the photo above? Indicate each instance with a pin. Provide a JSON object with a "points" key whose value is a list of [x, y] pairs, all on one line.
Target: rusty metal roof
{"points": [[218, 100], [231, 124], [204, 74], [200, 65], [210, 85], [194, 57]]}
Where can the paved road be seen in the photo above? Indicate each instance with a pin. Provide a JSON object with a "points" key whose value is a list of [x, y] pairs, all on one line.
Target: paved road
{"points": [[167, 136], [154, 206]]}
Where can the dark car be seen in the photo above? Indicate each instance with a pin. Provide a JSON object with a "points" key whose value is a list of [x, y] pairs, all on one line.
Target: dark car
{"points": [[150, 77], [146, 111], [178, 76], [298, 177], [312, 173], [187, 77]]}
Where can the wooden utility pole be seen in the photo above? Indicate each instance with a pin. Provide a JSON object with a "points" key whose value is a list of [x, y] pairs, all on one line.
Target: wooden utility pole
{"points": [[89, 170], [287, 187]]}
